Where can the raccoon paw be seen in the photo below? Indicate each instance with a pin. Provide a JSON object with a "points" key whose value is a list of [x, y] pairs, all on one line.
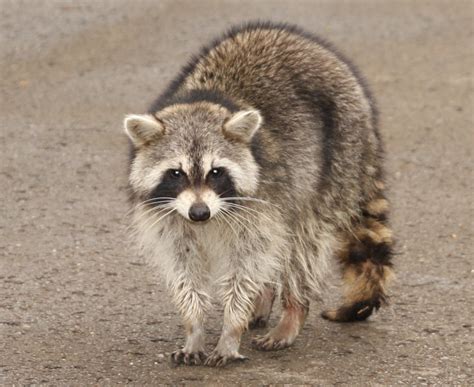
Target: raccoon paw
{"points": [[258, 322], [188, 358], [270, 342], [217, 359]]}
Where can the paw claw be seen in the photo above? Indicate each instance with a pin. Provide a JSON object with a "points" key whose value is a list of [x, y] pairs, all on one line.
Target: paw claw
{"points": [[188, 358], [269, 343], [216, 359]]}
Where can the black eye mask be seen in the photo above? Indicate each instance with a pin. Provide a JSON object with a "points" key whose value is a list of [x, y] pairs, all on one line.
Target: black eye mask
{"points": [[219, 180], [173, 183]]}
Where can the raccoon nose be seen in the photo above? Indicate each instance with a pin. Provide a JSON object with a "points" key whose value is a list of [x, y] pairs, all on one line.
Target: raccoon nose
{"points": [[199, 212]]}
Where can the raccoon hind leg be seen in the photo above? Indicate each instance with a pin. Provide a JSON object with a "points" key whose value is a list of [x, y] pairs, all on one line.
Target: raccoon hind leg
{"points": [[263, 308], [366, 265], [288, 328]]}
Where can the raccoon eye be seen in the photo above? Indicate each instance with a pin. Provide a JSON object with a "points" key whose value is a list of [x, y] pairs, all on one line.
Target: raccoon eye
{"points": [[216, 172], [175, 173]]}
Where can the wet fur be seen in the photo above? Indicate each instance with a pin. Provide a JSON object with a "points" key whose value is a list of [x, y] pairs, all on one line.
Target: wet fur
{"points": [[318, 161]]}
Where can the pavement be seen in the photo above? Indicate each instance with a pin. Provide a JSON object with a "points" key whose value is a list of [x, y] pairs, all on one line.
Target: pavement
{"points": [[79, 306]]}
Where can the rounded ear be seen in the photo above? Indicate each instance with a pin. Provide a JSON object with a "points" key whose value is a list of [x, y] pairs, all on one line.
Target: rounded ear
{"points": [[243, 125], [142, 128]]}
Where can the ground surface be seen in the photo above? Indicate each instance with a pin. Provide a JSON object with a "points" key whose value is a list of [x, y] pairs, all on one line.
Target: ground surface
{"points": [[76, 303]]}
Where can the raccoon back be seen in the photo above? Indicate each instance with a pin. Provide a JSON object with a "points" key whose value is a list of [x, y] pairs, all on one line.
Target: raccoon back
{"points": [[319, 144]]}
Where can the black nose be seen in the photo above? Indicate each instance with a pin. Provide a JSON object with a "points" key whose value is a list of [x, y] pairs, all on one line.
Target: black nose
{"points": [[199, 212]]}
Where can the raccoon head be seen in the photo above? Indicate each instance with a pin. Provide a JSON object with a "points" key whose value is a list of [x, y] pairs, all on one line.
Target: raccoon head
{"points": [[193, 158]]}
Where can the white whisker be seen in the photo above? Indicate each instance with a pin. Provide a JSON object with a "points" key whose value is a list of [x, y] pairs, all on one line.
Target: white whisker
{"points": [[228, 223], [236, 219], [151, 213], [250, 199], [159, 200], [156, 210], [248, 210], [158, 220]]}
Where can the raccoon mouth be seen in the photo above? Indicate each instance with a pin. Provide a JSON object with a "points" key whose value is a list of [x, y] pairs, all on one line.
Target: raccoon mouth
{"points": [[200, 222]]}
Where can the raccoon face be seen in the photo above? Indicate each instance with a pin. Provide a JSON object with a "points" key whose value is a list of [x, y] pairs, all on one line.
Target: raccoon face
{"points": [[193, 158]]}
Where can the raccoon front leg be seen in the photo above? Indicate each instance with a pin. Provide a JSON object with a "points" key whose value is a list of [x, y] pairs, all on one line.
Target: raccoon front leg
{"points": [[239, 294], [288, 328], [193, 352], [193, 303]]}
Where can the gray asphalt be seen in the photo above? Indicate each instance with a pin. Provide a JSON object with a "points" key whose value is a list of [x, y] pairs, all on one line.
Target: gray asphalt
{"points": [[77, 304]]}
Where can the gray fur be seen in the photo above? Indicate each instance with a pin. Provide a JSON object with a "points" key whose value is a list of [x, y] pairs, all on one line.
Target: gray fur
{"points": [[307, 170]]}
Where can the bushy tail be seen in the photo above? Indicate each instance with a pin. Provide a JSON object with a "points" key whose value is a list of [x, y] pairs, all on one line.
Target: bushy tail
{"points": [[366, 263]]}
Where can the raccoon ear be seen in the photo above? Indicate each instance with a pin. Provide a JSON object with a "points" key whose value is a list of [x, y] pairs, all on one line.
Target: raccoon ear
{"points": [[142, 128], [243, 125]]}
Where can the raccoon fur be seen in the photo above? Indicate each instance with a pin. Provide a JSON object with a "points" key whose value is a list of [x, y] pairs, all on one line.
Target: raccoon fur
{"points": [[259, 164]]}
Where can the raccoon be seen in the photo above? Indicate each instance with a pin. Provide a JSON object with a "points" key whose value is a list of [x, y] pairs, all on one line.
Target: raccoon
{"points": [[260, 163]]}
